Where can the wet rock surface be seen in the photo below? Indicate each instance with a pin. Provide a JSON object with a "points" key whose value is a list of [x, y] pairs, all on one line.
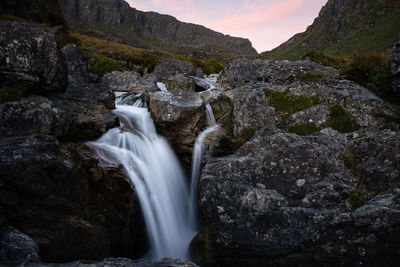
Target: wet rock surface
{"points": [[280, 194], [30, 61], [179, 116]]}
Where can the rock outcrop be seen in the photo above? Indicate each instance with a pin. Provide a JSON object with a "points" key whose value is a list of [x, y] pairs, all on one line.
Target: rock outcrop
{"points": [[395, 67], [169, 67], [78, 67], [237, 73], [179, 116], [283, 199], [117, 21], [180, 82], [31, 62]]}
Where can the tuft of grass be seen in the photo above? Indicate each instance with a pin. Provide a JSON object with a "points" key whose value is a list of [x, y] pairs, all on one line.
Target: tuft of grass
{"points": [[352, 162], [341, 121], [312, 77], [287, 105], [372, 70], [325, 59], [100, 65], [359, 197], [212, 66], [304, 129]]}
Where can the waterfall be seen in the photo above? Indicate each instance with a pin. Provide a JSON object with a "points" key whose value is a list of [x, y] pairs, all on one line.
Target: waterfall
{"points": [[198, 153], [155, 173], [162, 86]]}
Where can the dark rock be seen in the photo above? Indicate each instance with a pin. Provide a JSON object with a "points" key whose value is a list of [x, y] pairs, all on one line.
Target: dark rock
{"points": [[16, 247], [119, 262], [170, 66], [123, 81], [201, 85], [74, 205], [82, 113], [237, 73], [286, 72], [220, 103], [282, 199], [179, 116], [78, 67], [30, 61], [250, 110], [180, 82], [395, 67]]}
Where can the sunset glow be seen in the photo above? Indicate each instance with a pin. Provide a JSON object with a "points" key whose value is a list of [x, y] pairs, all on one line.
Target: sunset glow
{"points": [[267, 23]]}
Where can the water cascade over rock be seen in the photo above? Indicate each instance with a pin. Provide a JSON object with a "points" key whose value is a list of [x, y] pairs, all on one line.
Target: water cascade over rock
{"points": [[198, 153], [155, 173]]}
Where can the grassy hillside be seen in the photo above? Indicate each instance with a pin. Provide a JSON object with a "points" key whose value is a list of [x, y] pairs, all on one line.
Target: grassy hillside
{"points": [[344, 29]]}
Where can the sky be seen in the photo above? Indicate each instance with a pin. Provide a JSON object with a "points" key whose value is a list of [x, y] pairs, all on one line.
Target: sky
{"points": [[267, 23]]}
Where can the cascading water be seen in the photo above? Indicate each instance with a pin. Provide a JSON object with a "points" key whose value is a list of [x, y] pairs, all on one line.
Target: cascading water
{"points": [[155, 173], [198, 153]]}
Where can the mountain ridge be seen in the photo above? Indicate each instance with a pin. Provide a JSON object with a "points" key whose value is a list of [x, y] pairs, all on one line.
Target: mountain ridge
{"points": [[115, 20]]}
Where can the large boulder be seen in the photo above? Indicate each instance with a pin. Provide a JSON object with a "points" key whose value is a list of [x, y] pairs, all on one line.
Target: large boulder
{"points": [[282, 199], [179, 116], [117, 262], [180, 82], [395, 67], [31, 61], [131, 81], [286, 72], [78, 67], [237, 73], [170, 66], [74, 205], [82, 113], [250, 110]]}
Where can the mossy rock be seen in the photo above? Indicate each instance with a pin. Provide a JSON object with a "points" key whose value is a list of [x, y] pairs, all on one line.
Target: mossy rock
{"points": [[304, 129], [312, 77], [340, 120]]}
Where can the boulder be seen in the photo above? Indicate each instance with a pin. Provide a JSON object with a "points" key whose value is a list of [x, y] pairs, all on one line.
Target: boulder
{"points": [[122, 81], [78, 67], [250, 110], [237, 73], [180, 82], [31, 62], [74, 205], [395, 67], [220, 103], [82, 113], [287, 72], [282, 199], [170, 66], [179, 116], [16, 247]]}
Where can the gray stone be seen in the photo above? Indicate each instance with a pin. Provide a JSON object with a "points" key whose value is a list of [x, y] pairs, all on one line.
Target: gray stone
{"points": [[169, 67], [180, 82], [237, 73], [78, 67], [395, 67]]}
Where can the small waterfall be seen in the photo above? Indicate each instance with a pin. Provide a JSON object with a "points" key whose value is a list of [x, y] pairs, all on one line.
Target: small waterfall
{"points": [[162, 86], [198, 153], [155, 173]]}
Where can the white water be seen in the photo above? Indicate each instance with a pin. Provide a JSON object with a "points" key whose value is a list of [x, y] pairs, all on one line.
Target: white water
{"points": [[162, 86], [198, 153], [157, 177]]}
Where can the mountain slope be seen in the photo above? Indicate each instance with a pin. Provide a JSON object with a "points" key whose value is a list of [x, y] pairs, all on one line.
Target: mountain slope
{"points": [[346, 27], [115, 20]]}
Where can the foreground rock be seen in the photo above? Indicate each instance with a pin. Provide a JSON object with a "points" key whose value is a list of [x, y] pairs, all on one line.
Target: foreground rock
{"points": [[30, 61], [179, 116], [69, 196], [78, 67], [395, 67], [130, 81], [282, 199]]}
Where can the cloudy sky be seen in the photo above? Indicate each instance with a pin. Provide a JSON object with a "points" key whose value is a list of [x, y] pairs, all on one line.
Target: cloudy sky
{"points": [[267, 23]]}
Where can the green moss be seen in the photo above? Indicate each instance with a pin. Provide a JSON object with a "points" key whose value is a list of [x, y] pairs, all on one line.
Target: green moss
{"points": [[100, 65], [64, 39], [352, 162], [212, 66], [312, 77], [9, 94], [340, 120], [358, 198], [286, 105], [304, 129]]}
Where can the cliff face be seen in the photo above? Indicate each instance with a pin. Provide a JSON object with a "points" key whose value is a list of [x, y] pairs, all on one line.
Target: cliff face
{"points": [[345, 27], [117, 21]]}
